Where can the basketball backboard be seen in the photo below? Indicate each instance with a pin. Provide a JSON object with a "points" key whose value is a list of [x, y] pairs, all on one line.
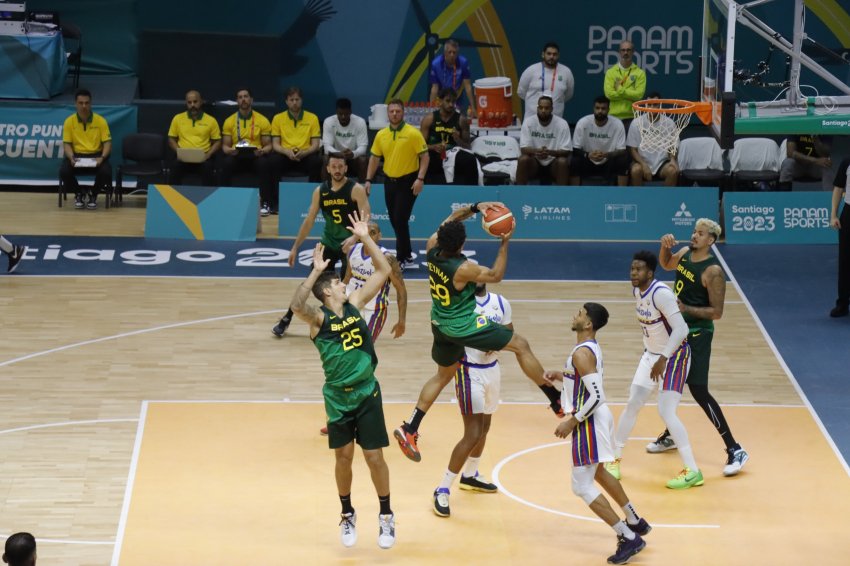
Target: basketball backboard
{"points": [[784, 61]]}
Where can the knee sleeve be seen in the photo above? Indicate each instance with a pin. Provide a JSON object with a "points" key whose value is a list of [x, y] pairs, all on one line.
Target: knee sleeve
{"points": [[582, 483]]}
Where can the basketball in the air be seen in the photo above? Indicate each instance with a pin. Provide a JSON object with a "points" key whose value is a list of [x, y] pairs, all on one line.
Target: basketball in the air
{"points": [[498, 221]]}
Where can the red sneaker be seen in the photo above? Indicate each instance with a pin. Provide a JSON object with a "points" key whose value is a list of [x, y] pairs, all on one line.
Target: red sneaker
{"points": [[407, 443]]}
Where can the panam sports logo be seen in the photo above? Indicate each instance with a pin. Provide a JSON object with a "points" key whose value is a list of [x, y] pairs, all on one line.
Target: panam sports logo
{"points": [[546, 213], [683, 216]]}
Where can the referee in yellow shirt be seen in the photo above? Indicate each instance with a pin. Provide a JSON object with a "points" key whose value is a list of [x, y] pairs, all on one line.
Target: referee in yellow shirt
{"points": [[85, 135], [194, 128], [405, 156]]}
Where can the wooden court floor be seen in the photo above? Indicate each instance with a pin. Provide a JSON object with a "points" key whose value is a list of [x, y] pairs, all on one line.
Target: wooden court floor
{"points": [[79, 356]]}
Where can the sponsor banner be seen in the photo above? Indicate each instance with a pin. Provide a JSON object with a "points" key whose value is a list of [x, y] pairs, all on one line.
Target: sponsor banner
{"points": [[778, 218], [432, 206], [608, 213], [542, 212], [31, 138]]}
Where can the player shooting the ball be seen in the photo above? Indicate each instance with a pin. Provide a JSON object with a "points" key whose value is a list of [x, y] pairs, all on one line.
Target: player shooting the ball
{"points": [[455, 324]]}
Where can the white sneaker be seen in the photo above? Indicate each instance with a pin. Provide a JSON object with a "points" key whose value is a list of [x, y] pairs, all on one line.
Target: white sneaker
{"points": [[661, 444], [735, 461], [408, 264], [347, 529], [386, 531], [265, 209]]}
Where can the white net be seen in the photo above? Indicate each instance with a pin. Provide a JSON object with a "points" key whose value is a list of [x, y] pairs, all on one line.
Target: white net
{"points": [[660, 123]]}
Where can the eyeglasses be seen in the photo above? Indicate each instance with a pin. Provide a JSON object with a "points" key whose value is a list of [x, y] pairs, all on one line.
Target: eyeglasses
{"points": [[626, 50]]}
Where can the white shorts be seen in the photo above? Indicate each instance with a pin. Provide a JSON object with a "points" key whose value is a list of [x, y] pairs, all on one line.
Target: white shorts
{"points": [[477, 388], [593, 439], [674, 375]]}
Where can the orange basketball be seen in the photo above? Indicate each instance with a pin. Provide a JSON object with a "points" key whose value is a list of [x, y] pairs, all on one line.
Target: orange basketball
{"points": [[498, 221]]}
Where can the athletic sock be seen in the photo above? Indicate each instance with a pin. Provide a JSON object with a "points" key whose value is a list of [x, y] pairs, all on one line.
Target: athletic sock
{"points": [[384, 501], [415, 420], [622, 529], [471, 468], [631, 514], [346, 504], [448, 479]]}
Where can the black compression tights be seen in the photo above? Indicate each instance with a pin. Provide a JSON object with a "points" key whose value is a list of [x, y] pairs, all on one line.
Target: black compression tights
{"points": [[713, 412]]}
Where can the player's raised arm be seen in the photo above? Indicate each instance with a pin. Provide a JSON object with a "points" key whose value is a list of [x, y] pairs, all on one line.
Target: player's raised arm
{"points": [[360, 228], [310, 314], [462, 214]]}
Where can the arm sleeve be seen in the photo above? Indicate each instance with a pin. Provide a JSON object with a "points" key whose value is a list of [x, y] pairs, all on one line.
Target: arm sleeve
{"points": [[595, 396], [328, 136], [362, 138], [665, 301]]}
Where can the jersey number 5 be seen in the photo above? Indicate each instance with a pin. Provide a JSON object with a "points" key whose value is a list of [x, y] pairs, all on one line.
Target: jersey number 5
{"points": [[439, 292], [337, 216]]}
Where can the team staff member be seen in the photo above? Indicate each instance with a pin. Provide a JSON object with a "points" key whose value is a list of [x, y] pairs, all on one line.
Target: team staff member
{"points": [[625, 83], [842, 224], [246, 143], [86, 135], [405, 156], [296, 141], [194, 128], [451, 70]]}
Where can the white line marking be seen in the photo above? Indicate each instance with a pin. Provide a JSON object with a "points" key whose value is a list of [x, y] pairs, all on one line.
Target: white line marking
{"points": [[65, 423], [782, 363], [507, 492], [131, 479]]}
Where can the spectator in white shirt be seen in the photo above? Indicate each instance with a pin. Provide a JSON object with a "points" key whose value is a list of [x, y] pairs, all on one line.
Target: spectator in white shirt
{"points": [[545, 145], [547, 76], [599, 147], [651, 165], [346, 134]]}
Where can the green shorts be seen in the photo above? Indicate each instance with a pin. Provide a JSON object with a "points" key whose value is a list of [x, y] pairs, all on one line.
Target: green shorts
{"points": [[365, 425], [700, 342], [481, 334]]}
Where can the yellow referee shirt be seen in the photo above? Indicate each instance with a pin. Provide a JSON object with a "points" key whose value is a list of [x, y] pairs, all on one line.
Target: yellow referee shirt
{"points": [[296, 131], [88, 136], [250, 129], [400, 149], [199, 133]]}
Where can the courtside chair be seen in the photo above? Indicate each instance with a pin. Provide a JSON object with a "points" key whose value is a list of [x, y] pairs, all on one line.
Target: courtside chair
{"points": [[754, 160], [143, 156], [73, 38], [500, 153], [701, 162]]}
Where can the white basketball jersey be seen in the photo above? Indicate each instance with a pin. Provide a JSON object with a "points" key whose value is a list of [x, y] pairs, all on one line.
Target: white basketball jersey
{"points": [[494, 308], [361, 268], [576, 397], [654, 307]]}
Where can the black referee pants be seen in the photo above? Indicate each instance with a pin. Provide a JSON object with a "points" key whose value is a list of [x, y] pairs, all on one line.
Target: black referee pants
{"points": [[399, 198]]}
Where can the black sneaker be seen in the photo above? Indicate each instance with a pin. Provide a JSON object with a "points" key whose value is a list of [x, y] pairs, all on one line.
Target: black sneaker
{"points": [[15, 257], [477, 483], [839, 311], [641, 527], [78, 202], [281, 326], [626, 549], [441, 502]]}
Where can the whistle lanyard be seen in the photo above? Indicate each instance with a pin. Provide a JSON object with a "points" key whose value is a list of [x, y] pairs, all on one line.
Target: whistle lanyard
{"points": [[543, 76], [239, 130]]}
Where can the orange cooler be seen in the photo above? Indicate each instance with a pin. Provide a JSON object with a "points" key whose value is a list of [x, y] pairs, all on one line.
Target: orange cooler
{"points": [[493, 96]]}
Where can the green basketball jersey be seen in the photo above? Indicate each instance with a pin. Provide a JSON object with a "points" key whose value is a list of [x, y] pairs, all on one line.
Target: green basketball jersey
{"points": [[336, 206], [691, 291], [450, 309], [348, 358]]}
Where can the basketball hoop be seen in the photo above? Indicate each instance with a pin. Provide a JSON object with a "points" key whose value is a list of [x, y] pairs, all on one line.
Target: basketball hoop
{"points": [[661, 121]]}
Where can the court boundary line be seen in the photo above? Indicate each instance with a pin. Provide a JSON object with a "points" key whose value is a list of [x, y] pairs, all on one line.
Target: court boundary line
{"points": [[131, 481], [782, 363], [502, 463]]}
